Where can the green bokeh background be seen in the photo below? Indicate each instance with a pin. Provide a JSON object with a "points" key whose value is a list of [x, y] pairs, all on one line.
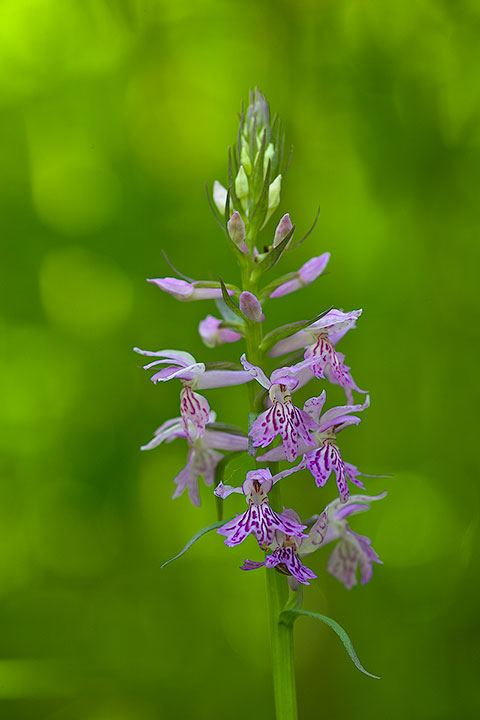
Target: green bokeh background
{"points": [[113, 114]]}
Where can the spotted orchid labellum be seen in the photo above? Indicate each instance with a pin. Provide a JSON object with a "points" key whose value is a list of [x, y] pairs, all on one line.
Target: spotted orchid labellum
{"points": [[306, 436]]}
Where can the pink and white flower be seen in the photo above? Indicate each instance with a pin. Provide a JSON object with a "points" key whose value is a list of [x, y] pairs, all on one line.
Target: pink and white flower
{"points": [[284, 556], [187, 291], [203, 457], [309, 272], [319, 340], [325, 458], [353, 551], [193, 376], [282, 418], [259, 520]]}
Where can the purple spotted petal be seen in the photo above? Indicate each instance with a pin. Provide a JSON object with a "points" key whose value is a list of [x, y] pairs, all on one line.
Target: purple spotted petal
{"points": [[194, 408], [352, 474], [288, 421], [251, 565], [316, 536], [343, 563], [262, 522], [353, 551], [313, 406], [325, 460], [288, 557]]}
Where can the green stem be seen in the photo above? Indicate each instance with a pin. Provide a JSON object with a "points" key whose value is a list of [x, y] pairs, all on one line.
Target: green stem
{"points": [[281, 635], [281, 641]]}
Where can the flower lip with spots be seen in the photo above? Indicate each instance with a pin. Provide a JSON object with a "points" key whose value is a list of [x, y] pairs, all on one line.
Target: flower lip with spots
{"points": [[325, 458], [319, 340], [260, 519], [283, 417]]}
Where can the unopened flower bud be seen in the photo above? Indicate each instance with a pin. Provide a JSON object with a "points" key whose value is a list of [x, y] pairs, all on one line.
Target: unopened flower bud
{"points": [[219, 197], [283, 228], [245, 159], [250, 307], [274, 194], [236, 230], [269, 154], [241, 184]]}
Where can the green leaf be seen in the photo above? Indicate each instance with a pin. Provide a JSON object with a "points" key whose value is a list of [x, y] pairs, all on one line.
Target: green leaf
{"points": [[288, 617], [310, 231], [227, 314], [194, 539], [228, 300], [276, 253], [286, 330]]}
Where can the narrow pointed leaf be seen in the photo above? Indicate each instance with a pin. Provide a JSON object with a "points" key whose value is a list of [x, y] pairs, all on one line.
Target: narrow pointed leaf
{"points": [[288, 617], [276, 253], [214, 209], [228, 300], [193, 540], [285, 331], [309, 231]]}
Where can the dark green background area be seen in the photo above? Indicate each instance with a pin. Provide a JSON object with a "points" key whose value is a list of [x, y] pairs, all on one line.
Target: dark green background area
{"points": [[112, 117]]}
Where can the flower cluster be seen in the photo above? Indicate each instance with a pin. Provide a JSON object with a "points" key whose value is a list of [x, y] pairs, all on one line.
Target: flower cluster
{"points": [[279, 430]]}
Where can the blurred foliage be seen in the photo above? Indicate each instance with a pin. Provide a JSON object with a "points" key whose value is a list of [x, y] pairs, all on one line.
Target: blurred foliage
{"points": [[113, 114]]}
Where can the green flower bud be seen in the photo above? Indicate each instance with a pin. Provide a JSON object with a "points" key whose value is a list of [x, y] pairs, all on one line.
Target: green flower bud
{"points": [[269, 155], [274, 194], [241, 184], [245, 159]]}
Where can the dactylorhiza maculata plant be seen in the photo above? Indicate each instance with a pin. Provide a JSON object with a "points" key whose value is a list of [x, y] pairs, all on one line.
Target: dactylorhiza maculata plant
{"points": [[307, 438]]}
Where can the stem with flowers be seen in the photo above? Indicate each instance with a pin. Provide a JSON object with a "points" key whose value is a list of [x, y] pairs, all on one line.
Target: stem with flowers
{"points": [[307, 437]]}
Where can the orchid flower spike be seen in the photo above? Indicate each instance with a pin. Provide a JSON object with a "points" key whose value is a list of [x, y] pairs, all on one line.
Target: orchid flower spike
{"points": [[325, 458], [353, 551], [203, 457], [282, 418], [187, 291], [319, 340], [303, 277], [183, 366], [259, 520]]}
